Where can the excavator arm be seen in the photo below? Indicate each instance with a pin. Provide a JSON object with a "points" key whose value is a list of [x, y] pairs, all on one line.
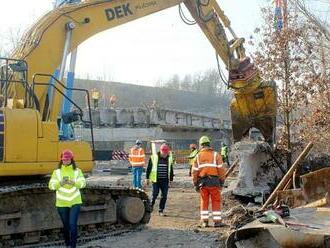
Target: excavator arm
{"points": [[254, 104]]}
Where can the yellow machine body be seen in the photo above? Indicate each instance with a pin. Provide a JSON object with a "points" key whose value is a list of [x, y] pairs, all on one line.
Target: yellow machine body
{"points": [[30, 137], [31, 146]]}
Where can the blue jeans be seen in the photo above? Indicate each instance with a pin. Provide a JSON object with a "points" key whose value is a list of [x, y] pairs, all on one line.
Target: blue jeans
{"points": [[69, 217], [161, 185], [137, 173]]}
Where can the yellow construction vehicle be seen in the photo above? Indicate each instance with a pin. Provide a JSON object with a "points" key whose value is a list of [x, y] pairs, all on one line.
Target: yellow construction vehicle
{"points": [[32, 98]]}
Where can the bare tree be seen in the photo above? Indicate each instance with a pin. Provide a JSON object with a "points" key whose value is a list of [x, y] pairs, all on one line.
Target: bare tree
{"points": [[298, 59], [322, 26], [10, 39]]}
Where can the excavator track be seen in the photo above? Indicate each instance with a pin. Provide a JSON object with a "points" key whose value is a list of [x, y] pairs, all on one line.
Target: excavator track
{"points": [[85, 236], [28, 214]]}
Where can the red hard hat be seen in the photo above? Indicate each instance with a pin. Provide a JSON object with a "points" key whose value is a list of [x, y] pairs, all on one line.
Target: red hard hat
{"points": [[164, 149], [193, 146], [67, 155]]}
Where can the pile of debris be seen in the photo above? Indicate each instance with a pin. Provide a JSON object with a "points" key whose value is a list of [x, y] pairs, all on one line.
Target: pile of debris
{"points": [[291, 217], [258, 171]]}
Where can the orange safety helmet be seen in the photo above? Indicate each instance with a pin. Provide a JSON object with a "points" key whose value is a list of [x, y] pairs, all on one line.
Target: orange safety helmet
{"points": [[193, 146], [164, 149], [66, 154]]}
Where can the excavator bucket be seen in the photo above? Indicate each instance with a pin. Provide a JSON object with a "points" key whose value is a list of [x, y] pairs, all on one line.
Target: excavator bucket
{"points": [[255, 108]]}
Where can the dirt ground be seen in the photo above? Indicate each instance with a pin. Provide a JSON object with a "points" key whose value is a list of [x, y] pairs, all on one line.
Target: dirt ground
{"points": [[179, 228]]}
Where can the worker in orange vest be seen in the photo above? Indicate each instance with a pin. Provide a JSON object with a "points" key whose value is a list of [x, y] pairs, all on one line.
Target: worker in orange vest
{"points": [[208, 178], [137, 160]]}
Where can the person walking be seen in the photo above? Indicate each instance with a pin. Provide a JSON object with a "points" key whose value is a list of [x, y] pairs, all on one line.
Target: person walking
{"points": [[137, 160], [160, 173], [67, 181], [224, 154], [192, 156], [208, 178]]}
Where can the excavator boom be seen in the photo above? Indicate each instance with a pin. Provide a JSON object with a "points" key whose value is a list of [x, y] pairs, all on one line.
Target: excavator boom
{"points": [[254, 104]]}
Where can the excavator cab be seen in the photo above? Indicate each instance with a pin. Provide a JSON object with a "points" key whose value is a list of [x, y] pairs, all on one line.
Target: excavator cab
{"points": [[30, 148], [29, 142], [15, 92]]}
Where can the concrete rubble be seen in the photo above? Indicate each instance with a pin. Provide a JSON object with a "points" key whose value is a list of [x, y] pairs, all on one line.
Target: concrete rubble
{"points": [[295, 218], [257, 171]]}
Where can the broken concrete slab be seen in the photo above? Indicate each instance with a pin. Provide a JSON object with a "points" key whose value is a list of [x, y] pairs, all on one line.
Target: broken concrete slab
{"points": [[258, 171]]}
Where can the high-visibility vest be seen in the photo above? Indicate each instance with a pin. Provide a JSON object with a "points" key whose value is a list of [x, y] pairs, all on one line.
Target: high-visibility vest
{"points": [[67, 195], [224, 151], [154, 160], [209, 166], [95, 95], [192, 156], [137, 157]]}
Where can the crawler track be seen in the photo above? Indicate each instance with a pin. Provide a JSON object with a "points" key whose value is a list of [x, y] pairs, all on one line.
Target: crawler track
{"points": [[85, 236], [28, 214]]}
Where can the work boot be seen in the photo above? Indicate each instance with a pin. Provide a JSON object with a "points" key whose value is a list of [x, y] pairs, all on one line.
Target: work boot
{"points": [[219, 224], [161, 213], [203, 224]]}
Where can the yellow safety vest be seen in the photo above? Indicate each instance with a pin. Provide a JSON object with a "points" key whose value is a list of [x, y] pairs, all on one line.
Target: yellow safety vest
{"points": [[95, 95], [192, 156], [224, 151], [154, 160], [67, 195]]}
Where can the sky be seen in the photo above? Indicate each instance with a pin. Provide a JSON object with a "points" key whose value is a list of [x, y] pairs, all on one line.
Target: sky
{"points": [[145, 51]]}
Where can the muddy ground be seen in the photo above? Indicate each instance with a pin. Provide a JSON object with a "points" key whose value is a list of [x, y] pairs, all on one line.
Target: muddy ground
{"points": [[179, 228]]}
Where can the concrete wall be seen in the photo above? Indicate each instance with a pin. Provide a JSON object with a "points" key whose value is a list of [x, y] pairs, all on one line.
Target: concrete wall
{"points": [[117, 129], [130, 95], [142, 117]]}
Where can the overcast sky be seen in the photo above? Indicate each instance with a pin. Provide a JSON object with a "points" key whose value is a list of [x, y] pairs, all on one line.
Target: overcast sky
{"points": [[146, 50]]}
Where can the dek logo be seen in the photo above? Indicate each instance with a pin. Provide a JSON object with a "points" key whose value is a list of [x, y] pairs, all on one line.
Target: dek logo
{"points": [[118, 12]]}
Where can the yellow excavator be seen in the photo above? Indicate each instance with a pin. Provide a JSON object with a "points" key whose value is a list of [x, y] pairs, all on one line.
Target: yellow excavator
{"points": [[32, 97]]}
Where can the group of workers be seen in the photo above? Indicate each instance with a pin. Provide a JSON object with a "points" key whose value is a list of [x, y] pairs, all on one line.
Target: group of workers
{"points": [[207, 168]]}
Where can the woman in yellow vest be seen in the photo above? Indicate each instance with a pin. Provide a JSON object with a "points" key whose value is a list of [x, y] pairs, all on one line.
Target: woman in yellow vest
{"points": [[67, 180]]}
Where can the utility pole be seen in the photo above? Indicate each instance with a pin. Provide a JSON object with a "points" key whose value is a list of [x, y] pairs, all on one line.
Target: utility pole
{"points": [[287, 90]]}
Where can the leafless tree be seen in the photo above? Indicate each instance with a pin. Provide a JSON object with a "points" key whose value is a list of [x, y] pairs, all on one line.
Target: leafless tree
{"points": [[312, 17]]}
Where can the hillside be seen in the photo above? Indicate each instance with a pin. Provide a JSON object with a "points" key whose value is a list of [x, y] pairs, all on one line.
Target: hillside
{"points": [[131, 95]]}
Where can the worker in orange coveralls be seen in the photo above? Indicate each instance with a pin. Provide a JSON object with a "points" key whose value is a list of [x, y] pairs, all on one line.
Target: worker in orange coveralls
{"points": [[208, 178]]}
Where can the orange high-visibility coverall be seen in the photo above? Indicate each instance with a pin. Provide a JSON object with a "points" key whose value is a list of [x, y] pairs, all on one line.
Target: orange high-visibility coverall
{"points": [[209, 163]]}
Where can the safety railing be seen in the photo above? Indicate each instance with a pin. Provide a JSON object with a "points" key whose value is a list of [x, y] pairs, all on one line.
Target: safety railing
{"points": [[51, 79], [15, 71]]}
